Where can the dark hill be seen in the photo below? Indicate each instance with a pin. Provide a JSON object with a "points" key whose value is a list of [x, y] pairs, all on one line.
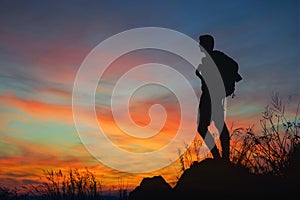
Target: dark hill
{"points": [[213, 179]]}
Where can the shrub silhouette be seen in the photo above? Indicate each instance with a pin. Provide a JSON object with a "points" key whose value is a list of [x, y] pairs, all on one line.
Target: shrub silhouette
{"points": [[72, 185], [269, 151]]}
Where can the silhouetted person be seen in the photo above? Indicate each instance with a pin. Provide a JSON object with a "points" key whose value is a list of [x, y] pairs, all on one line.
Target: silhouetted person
{"points": [[229, 72]]}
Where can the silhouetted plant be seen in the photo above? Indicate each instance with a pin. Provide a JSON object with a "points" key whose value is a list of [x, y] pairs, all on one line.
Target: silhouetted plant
{"points": [[268, 152], [123, 189], [72, 185], [190, 156]]}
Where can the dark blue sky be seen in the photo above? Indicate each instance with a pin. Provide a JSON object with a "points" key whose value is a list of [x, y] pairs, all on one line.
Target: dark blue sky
{"points": [[262, 35]]}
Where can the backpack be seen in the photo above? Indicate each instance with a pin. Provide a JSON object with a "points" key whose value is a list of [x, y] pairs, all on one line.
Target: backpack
{"points": [[229, 71]]}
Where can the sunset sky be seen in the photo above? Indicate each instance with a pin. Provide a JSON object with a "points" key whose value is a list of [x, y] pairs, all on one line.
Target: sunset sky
{"points": [[43, 43]]}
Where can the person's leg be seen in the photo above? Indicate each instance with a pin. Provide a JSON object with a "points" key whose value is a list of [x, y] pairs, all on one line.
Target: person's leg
{"points": [[209, 140], [203, 123], [225, 143], [224, 134]]}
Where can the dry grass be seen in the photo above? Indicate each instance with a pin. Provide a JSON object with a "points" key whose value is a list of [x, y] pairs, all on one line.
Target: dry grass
{"points": [[72, 185], [269, 151]]}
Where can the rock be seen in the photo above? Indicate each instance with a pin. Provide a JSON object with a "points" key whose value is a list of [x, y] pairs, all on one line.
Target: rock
{"points": [[155, 188], [213, 179]]}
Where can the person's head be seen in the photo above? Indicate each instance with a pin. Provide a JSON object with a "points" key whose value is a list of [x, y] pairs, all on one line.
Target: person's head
{"points": [[207, 42]]}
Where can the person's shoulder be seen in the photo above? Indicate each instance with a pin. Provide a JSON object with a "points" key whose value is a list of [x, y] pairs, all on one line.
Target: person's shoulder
{"points": [[219, 53], [222, 56]]}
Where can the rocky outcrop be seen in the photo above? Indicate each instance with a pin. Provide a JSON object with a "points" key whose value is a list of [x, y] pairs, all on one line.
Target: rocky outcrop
{"points": [[155, 188]]}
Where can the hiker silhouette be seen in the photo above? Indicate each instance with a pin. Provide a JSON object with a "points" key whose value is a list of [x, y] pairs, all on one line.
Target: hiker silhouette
{"points": [[228, 69]]}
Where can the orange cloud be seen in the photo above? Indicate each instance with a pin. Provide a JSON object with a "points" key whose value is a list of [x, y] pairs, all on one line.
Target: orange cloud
{"points": [[37, 108]]}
